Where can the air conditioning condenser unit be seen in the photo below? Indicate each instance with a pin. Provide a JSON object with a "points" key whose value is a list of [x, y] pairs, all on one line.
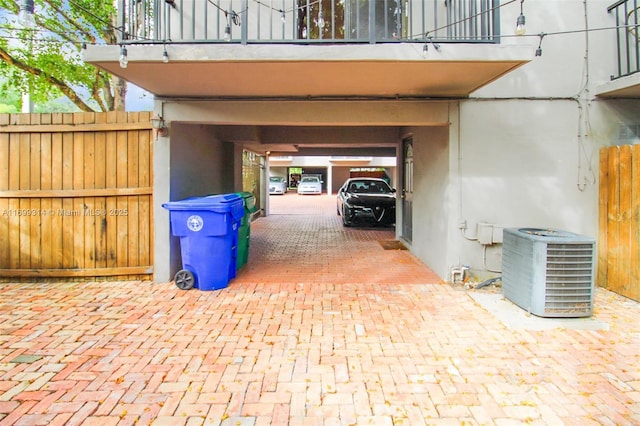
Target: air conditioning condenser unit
{"points": [[548, 272]]}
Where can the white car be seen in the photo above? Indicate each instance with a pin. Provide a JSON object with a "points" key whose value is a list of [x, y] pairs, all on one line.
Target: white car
{"points": [[309, 185], [277, 185]]}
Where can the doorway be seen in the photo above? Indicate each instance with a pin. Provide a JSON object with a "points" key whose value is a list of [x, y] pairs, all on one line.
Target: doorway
{"points": [[407, 189]]}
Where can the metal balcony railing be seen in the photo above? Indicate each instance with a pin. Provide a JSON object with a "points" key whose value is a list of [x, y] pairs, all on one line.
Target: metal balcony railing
{"points": [[627, 36], [308, 21]]}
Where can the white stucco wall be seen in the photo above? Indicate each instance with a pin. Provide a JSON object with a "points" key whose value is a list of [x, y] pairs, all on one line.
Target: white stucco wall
{"points": [[431, 204], [516, 174], [340, 174], [525, 150], [278, 171], [194, 164], [200, 164]]}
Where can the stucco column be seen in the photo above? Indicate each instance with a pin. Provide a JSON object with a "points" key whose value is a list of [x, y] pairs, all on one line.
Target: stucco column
{"points": [[161, 194], [264, 187]]}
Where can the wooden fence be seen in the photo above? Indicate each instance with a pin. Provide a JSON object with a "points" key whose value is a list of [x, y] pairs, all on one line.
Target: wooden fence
{"points": [[619, 239], [76, 197]]}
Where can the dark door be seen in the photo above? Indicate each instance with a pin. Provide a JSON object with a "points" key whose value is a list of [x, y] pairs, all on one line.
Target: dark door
{"points": [[407, 189]]}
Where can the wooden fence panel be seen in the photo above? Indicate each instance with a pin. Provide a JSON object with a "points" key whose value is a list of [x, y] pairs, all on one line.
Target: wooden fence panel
{"points": [[635, 222], [619, 236], [76, 196]]}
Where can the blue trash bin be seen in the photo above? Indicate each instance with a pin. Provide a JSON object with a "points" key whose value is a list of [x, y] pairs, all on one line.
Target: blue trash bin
{"points": [[208, 231]]}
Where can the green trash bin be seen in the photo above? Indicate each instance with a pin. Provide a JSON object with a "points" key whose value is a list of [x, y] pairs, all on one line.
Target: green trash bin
{"points": [[244, 231]]}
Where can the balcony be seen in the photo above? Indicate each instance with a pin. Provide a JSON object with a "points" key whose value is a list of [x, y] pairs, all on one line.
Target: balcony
{"points": [[308, 21], [625, 81], [310, 48]]}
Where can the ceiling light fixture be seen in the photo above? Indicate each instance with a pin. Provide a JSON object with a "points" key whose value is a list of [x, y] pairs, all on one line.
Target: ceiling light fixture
{"points": [[425, 48], [25, 16], [520, 22], [165, 55], [320, 16], [539, 49], [124, 61], [434, 44]]}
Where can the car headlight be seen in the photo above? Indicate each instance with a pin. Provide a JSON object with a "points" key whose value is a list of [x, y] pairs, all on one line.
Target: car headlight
{"points": [[353, 201]]}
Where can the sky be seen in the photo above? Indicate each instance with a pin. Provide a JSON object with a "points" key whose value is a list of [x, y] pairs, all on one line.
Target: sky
{"points": [[138, 99]]}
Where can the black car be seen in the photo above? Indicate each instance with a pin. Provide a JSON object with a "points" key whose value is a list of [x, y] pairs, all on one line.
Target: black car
{"points": [[367, 200]]}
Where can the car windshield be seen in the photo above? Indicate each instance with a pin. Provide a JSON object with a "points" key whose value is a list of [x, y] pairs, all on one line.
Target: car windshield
{"points": [[276, 179], [309, 180], [369, 187]]}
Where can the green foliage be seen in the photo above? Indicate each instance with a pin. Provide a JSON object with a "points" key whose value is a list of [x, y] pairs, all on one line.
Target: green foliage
{"points": [[46, 60], [11, 99], [61, 104], [12, 102], [8, 109]]}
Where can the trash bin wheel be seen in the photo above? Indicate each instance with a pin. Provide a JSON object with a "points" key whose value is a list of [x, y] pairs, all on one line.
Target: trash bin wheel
{"points": [[184, 279]]}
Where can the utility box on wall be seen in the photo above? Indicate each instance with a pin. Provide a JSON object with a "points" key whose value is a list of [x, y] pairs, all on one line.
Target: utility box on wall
{"points": [[549, 273], [485, 233]]}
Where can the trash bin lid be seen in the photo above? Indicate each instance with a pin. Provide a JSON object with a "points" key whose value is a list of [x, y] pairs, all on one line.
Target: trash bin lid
{"points": [[245, 194], [224, 203], [249, 201]]}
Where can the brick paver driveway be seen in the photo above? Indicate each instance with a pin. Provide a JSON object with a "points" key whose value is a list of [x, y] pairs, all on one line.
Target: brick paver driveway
{"points": [[322, 327]]}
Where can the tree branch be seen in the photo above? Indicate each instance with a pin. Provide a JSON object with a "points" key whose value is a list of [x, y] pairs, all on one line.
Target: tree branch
{"points": [[61, 85], [95, 90], [71, 22]]}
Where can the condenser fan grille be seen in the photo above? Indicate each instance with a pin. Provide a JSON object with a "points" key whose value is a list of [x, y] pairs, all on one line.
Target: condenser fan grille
{"points": [[569, 278]]}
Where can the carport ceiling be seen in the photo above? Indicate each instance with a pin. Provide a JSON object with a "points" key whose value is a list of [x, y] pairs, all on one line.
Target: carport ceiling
{"points": [[270, 79], [255, 71], [378, 141]]}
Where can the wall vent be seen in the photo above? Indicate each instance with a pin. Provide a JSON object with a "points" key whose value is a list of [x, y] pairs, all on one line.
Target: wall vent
{"points": [[548, 272]]}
